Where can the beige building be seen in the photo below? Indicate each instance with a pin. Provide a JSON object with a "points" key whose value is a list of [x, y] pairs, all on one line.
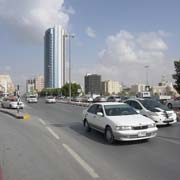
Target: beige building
{"points": [[39, 83], [138, 88], [110, 87], [166, 89], [6, 84]]}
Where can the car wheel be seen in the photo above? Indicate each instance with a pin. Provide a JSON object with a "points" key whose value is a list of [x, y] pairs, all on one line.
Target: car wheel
{"points": [[2, 105], [109, 135], [10, 106], [86, 125], [170, 106]]}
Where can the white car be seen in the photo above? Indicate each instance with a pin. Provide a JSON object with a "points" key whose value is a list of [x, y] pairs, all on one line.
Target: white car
{"points": [[118, 121], [153, 109], [50, 99], [12, 102], [32, 99]]}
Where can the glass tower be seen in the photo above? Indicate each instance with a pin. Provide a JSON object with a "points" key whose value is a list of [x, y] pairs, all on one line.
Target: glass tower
{"points": [[54, 57]]}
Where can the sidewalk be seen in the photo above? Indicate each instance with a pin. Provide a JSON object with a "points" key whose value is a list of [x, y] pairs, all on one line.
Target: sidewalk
{"points": [[13, 113]]}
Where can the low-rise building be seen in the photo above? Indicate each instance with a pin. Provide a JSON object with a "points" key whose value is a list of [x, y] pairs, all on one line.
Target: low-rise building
{"points": [[6, 84], [136, 88], [110, 87]]}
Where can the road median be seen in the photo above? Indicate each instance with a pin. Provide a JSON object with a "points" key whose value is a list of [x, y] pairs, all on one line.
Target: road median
{"points": [[13, 113]]}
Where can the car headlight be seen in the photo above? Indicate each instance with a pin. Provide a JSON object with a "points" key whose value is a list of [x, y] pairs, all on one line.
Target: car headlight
{"points": [[123, 128], [152, 125]]}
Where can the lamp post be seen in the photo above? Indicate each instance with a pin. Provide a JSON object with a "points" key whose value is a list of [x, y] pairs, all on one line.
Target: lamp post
{"points": [[146, 67], [69, 36]]}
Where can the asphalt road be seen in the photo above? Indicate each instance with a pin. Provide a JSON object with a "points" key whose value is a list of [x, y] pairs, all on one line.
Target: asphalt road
{"points": [[53, 145]]}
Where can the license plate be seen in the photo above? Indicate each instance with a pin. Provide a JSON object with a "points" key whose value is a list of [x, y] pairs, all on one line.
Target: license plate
{"points": [[141, 134]]}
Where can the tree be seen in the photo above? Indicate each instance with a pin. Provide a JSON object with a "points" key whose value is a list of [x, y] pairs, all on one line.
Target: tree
{"points": [[74, 89], [176, 76]]}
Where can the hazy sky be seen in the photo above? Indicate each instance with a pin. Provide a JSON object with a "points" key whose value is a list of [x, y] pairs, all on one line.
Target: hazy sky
{"points": [[114, 38]]}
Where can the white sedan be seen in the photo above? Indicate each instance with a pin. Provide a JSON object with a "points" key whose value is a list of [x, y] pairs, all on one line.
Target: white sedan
{"points": [[12, 102], [118, 121], [50, 99]]}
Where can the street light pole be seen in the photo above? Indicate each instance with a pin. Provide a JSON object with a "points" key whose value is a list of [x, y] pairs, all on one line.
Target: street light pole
{"points": [[69, 36], [146, 67]]}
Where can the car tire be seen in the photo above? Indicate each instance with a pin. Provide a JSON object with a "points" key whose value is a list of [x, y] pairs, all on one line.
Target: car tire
{"points": [[87, 126], [170, 106], [109, 135]]}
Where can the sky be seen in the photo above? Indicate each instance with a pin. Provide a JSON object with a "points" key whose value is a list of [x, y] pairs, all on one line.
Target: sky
{"points": [[114, 38]]}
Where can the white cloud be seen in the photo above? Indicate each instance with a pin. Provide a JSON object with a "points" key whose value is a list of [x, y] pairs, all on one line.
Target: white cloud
{"points": [[69, 10], [31, 18], [90, 32], [126, 54], [152, 41]]}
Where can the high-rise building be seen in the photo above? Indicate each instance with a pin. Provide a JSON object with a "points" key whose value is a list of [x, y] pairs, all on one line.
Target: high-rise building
{"points": [[6, 84], [54, 57], [39, 83], [111, 87], [92, 83]]}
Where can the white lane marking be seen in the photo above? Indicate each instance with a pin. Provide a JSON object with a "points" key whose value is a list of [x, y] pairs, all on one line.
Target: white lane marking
{"points": [[53, 133], [42, 122], [169, 140], [87, 168]]}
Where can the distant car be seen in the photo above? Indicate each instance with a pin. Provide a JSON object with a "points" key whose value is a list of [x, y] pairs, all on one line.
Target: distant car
{"points": [[100, 99], [153, 109], [32, 99], [50, 99], [118, 121], [114, 99], [12, 102], [173, 103]]}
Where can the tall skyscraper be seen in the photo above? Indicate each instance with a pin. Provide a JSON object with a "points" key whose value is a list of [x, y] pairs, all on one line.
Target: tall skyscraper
{"points": [[54, 57], [92, 83]]}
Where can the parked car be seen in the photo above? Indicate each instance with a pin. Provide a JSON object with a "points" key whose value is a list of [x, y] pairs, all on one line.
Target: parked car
{"points": [[50, 99], [118, 121], [12, 102], [114, 99], [32, 99], [100, 99], [173, 103], [153, 109]]}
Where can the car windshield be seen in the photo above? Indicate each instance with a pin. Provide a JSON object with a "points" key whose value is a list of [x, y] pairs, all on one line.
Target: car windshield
{"points": [[119, 110], [50, 97], [153, 104]]}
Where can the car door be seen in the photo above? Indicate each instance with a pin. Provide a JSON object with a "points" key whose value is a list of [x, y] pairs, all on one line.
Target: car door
{"points": [[99, 120], [91, 115]]}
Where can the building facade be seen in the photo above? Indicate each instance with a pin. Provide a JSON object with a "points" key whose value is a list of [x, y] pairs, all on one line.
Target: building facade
{"points": [[54, 57], [6, 84], [92, 84], [111, 87], [30, 86], [138, 88], [39, 83]]}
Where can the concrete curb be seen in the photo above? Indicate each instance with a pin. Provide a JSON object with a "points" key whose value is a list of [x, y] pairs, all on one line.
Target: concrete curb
{"points": [[15, 115]]}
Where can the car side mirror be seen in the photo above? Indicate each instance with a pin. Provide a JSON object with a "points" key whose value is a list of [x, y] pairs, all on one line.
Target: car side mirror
{"points": [[100, 114], [138, 111]]}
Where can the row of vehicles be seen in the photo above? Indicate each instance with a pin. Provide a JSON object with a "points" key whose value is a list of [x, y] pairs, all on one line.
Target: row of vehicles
{"points": [[134, 119]]}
